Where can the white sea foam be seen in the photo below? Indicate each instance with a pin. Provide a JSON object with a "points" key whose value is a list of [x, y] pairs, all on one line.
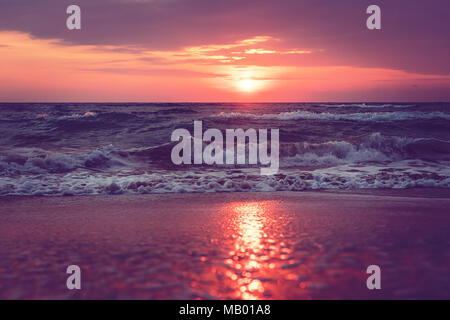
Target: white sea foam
{"points": [[37, 161], [364, 116], [372, 148], [364, 105], [87, 114], [373, 161], [399, 175]]}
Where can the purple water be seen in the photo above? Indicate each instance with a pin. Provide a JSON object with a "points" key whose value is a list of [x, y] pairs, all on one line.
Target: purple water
{"points": [[112, 148]]}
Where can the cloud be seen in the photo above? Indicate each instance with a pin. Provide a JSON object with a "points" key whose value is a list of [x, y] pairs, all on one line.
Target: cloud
{"points": [[414, 35], [154, 72]]}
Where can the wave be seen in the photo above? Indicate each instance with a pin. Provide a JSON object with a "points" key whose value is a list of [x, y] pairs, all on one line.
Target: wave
{"points": [[116, 115], [87, 114], [364, 105], [366, 116], [371, 148], [176, 111], [402, 176], [370, 161], [37, 161]]}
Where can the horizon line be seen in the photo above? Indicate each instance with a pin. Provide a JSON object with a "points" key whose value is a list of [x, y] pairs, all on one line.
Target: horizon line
{"points": [[217, 102]]}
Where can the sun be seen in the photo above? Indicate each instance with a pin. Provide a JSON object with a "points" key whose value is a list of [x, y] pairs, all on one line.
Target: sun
{"points": [[247, 85]]}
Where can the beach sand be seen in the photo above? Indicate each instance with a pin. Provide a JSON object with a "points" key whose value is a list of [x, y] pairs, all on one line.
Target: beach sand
{"points": [[287, 245]]}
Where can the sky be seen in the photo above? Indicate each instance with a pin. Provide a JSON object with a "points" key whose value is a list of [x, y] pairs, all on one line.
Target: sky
{"points": [[214, 51]]}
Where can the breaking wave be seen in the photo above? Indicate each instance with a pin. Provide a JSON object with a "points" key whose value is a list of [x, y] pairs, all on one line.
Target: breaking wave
{"points": [[373, 161], [366, 149], [36, 161], [365, 116], [342, 177], [372, 148], [364, 105]]}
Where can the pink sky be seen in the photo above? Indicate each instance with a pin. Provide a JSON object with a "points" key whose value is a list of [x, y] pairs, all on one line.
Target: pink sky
{"points": [[238, 51]]}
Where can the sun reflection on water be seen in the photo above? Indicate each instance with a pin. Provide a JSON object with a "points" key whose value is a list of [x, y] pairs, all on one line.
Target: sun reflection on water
{"points": [[249, 261]]}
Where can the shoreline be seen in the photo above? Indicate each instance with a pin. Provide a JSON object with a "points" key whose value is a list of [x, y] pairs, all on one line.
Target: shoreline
{"points": [[275, 245], [425, 192]]}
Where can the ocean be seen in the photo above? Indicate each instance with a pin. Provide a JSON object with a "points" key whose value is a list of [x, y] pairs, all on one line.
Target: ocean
{"points": [[124, 148]]}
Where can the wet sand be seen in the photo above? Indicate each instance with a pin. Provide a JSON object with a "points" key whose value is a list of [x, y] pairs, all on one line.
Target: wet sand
{"points": [[303, 245]]}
